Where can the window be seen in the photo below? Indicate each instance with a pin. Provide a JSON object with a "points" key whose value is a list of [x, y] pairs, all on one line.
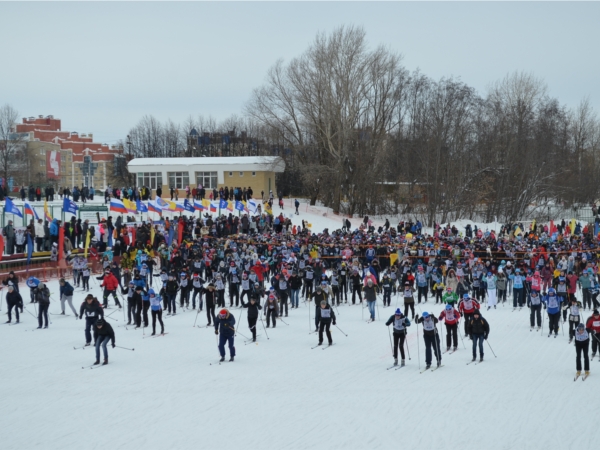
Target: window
{"points": [[63, 158], [151, 180], [179, 180], [230, 174], [241, 174], [208, 180], [42, 163], [253, 174]]}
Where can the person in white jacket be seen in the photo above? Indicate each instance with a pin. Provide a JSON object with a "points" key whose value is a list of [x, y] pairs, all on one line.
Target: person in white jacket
{"points": [[39, 234], [492, 299]]}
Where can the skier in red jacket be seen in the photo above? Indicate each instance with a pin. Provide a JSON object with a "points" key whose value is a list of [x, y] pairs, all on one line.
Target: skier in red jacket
{"points": [[451, 317], [593, 325], [110, 285]]}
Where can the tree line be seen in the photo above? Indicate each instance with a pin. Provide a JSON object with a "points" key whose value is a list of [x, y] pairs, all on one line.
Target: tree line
{"points": [[364, 135]]}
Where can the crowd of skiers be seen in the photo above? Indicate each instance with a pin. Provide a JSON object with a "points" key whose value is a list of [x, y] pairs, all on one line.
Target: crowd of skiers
{"points": [[268, 273]]}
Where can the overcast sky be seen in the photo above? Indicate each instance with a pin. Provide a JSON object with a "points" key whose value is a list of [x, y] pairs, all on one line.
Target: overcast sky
{"points": [[101, 66]]}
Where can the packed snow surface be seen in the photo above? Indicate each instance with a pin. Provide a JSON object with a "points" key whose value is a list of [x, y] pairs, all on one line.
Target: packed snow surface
{"points": [[172, 393]]}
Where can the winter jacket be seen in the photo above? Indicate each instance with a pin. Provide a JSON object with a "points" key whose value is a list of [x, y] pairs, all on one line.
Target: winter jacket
{"points": [[252, 309], [400, 325], [225, 326], [553, 303], [92, 310], [477, 327], [429, 328], [450, 316], [325, 314], [272, 305], [371, 292], [54, 227], [14, 298], [106, 330], [42, 296], [110, 282]]}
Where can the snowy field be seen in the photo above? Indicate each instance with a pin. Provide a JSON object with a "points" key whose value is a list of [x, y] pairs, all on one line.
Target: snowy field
{"points": [[171, 392]]}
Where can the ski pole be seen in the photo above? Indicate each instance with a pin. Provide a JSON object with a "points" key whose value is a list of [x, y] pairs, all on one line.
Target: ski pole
{"points": [[488, 343], [341, 330], [309, 325], [461, 336], [125, 348], [418, 351], [391, 345], [542, 330], [263, 324], [437, 341], [231, 328], [196, 320], [283, 320], [406, 341]]}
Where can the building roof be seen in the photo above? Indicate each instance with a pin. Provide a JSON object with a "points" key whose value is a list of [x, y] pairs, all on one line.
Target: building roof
{"points": [[253, 163]]}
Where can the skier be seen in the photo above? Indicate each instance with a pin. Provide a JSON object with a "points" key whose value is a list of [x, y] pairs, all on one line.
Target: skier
{"points": [[467, 307], [574, 316], [451, 318], [226, 322], [42, 297], [490, 280], [400, 325], [110, 284], [325, 316], [371, 291], [156, 308], [211, 300], [103, 333], [387, 286], [582, 344], [478, 330], [431, 338], [535, 306], [553, 302], [253, 313], [450, 297], [198, 286], [66, 295], [409, 300], [272, 309], [318, 296], [13, 300], [593, 325], [93, 311]]}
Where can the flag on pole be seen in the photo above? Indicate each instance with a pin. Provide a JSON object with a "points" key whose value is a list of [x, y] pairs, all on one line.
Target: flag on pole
{"points": [[205, 203], [152, 233], [393, 258], [214, 206], [117, 206], [160, 202], [223, 204], [141, 207], [10, 208], [230, 206], [187, 206], [239, 206], [252, 206], [30, 211], [69, 206], [130, 206], [29, 248], [47, 214], [154, 207], [198, 206], [87, 243]]}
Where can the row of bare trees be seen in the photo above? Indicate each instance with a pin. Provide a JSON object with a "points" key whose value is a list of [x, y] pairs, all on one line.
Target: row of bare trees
{"points": [[362, 134]]}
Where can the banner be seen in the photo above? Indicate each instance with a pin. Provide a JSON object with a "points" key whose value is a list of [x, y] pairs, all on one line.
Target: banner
{"points": [[53, 165]]}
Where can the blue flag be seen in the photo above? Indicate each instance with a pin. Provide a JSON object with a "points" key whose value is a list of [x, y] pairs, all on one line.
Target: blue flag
{"points": [[171, 232], [141, 207], [188, 206], [29, 248], [239, 206], [10, 208], [223, 204], [69, 206]]}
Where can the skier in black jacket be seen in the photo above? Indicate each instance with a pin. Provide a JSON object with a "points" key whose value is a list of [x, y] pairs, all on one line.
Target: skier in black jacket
{"points": [[478, 330], [400, 324], [431, 338], [13, 300], [42, 297], [253, 308], [93, 311], [325, 316], [103, 333]]}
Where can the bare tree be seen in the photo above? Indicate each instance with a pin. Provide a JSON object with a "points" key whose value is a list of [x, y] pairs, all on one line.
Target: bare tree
{"points": [[11, 142]]}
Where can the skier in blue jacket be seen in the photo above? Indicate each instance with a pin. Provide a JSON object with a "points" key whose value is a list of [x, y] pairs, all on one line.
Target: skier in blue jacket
{"points": [[552, 302], [225, 323]]}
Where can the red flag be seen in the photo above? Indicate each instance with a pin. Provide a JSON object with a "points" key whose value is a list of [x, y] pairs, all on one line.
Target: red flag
{"points": [[61, 242], [180, 231], [133, 235], [1, 247], [551, 227]]}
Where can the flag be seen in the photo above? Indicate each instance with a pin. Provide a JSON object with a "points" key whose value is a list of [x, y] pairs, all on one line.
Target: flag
{"points": [[47, 214], [214, 206], [198, 206], [171, 234], [314, 254], [180, 227], [141, 207], [393, 258], [160, 202], [252, 206], [1, 246], [187, 206], [517, 231], [117, 206], [205, 203], [230, 206], [130, 206], [61, 243], [223, 204], [152, 233], [572, 226], [178, 206], [533, 225], [30, 210], [154, 207], [239, 206], [10, 208], [70, 207], [87, 243]]}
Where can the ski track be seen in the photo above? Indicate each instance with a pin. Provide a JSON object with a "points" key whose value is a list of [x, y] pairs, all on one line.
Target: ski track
{"points": [[171, 392]]}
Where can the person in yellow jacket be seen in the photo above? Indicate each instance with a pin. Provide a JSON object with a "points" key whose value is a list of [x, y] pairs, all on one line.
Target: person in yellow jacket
{"points": [[438, 290]]}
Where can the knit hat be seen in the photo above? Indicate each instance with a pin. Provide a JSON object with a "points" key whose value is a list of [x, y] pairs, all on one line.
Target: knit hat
{"points": [[223, 313], [398, 312], [596, 312]]}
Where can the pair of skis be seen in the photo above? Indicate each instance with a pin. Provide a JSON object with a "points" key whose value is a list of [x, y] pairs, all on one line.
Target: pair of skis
{"points": [[155, 336], [323, 347], [433, 370], [577, 375]]}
